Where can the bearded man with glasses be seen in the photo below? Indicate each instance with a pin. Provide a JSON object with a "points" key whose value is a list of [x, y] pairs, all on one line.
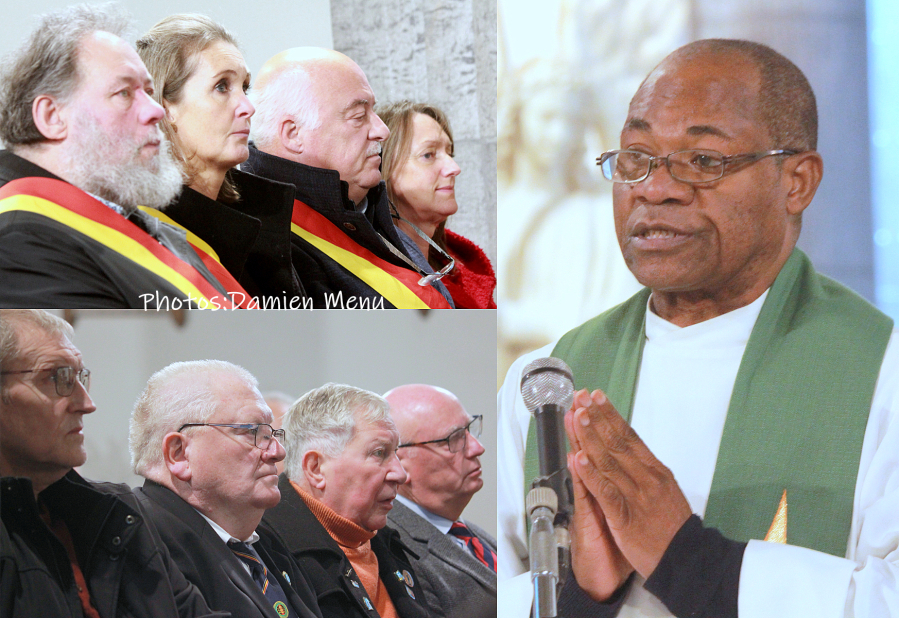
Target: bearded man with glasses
{"points": [[741, 392], [69, 547], [201, 435], [456, 558]]}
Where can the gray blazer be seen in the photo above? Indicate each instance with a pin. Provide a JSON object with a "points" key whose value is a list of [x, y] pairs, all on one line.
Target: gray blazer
{"points": [[455, 583]]}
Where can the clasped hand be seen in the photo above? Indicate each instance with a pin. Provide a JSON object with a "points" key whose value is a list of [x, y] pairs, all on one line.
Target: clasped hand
{"points": [[627, 505]]}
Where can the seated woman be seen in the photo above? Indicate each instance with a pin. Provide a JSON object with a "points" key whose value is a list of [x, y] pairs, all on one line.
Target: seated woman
{"points": [[242, 221], [418, 165]]}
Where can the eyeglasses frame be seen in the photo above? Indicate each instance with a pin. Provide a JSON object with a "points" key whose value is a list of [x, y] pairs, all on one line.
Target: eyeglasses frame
{"points": [[82, 375], [277, 434], [655, 161], [476, 417]]}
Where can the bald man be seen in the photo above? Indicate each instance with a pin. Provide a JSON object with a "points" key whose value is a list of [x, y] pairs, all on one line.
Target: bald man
{"points": [[315, 128], [440, 451]]}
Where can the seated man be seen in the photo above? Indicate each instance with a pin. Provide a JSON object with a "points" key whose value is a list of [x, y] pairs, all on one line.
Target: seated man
{"points": [[84, 153], [69, 547], [439, 449], [315, 128], [342, 476], [201, 435]]}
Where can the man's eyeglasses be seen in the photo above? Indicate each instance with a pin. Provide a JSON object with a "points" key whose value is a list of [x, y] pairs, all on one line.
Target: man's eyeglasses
{"points": [[458, 439], [63, 377], [262, 432], [691, 166]]}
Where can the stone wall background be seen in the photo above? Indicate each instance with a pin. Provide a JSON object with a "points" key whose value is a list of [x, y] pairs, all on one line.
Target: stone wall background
{"points": [[441, 52]]}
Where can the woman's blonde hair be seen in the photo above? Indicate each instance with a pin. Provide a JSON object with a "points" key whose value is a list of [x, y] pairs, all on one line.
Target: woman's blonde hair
{"points": [[398, 117], [171, 51]]}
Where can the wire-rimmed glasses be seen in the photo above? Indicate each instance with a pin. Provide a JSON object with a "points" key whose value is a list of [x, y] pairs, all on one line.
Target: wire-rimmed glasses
{"points": [[63, 378], [690, 166], [458, 439], [262, 432]]}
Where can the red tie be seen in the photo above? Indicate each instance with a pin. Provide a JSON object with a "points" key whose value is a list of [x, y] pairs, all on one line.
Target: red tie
{"points": [[474, 544]]}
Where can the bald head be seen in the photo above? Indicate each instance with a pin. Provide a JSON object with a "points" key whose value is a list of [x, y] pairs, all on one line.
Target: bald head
{"points": [[783, 102], [316, 107], [440, 480]]}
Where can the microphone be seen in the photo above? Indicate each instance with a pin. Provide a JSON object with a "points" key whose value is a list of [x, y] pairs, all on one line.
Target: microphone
{"points": [[547, 388]]}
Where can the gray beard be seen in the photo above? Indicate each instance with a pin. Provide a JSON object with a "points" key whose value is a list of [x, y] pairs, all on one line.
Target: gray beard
{"points": [[111, 168]]}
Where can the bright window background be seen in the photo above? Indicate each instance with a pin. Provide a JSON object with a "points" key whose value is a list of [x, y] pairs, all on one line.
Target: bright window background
{"points": [[883, 80]]}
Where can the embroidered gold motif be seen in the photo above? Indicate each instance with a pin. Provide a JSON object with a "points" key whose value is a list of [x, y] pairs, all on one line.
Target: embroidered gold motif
{"points": [[777, 533]]}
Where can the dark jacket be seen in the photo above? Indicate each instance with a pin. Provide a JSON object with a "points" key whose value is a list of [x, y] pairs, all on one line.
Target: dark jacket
{"points": [[251, 237], [45, 263], [456, 584], [127, 568], [340, 593], [323, 191], [210, 565]]}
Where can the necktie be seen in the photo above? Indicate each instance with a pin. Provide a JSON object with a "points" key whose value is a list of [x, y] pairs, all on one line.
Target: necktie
{"points": [[269, 585], [480, 551]]}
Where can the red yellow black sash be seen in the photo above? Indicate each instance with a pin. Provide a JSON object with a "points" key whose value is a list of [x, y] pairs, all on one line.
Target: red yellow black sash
{"points": [[396, 284], [211, 259], [88, 216]]}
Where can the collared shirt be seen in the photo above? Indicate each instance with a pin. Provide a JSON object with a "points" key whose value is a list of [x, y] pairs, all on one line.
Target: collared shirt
{"points": [[441, 523], [227, 538]]}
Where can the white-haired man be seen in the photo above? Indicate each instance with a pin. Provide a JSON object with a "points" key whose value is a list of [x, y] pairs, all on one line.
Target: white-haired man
{"points": [[77, 116], [201, 435], [440, 451], [315, 128], [341, 480], [69, 547]]}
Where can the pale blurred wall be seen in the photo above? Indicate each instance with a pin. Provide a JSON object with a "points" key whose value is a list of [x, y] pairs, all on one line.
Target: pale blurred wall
{"points": [[441, 52], [262, 28], [826, 39], [291, 352]]}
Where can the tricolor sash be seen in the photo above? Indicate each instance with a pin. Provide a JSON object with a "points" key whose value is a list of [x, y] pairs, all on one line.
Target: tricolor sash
{"points": [[97, 221], [397, 284], [211, 259], [797, 415]]}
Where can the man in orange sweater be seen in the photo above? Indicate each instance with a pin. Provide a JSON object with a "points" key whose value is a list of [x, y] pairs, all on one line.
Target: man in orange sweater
{"points": [[341, 477]]}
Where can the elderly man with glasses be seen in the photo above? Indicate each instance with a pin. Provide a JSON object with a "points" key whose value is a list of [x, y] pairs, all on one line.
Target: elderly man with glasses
{"points": [[341, 478], [69, 547], [201, 435], [743, 395], [456, 559]]}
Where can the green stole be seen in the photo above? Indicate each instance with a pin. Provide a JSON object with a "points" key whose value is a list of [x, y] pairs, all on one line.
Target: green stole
{"points": [[797, 414]]}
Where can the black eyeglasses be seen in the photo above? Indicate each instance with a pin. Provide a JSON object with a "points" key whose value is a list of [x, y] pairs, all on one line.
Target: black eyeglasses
{"points": [[458, 439], [63, 377], [690, 166], [262, 432]]}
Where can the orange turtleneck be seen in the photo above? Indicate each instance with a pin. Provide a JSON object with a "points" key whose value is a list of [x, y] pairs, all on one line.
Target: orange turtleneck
{"points": [[355, 541]]}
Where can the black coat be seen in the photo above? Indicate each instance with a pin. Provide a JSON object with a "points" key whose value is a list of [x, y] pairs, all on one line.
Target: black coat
{"points": [[127, 568], [210, 565], [340, 593], [45, 263], [323, 191], [251, 237]]}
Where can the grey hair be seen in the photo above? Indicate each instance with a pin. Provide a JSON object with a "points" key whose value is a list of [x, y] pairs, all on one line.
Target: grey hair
{"points": [[290, 93], [47, 64], [325, 420], [11, 322], [174, 395]]}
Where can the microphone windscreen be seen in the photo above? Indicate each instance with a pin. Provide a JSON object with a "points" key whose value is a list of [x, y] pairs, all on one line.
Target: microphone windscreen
{"points": [[547, 381]]}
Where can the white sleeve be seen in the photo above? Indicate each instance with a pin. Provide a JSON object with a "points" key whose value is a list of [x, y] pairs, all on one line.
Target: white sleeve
{"points": [[783, 580], [513, 419]]}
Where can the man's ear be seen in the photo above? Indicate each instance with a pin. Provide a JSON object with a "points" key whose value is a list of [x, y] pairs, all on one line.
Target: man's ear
{"points": [[313, 469], [803, 172], [292, 137], [175, 447], [49, 118]]}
